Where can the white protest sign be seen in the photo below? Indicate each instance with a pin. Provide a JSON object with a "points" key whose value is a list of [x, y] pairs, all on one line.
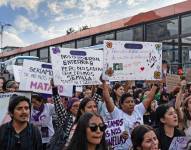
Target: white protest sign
{"points": [[4, 102], [17, 71], [113, 133], [36, 77], [76, 66], [129, 60], [79, 88]]}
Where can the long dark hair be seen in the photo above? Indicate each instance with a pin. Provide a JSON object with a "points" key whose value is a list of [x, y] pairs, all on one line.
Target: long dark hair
{"points": [[113, 94], [187, 115], [79, 140], [137, 135], [160, 113], [82, 106]]}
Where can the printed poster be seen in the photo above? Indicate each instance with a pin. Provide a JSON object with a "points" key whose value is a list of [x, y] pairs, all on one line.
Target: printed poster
{"points": [[128, 60], [36, 77], [76, 66]]}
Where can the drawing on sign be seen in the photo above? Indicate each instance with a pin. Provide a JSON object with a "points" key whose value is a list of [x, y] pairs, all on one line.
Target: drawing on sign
{"points": [[132, 60]]}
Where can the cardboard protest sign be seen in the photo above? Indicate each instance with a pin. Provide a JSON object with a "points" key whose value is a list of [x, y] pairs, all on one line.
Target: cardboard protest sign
{"points": [[180, 143], [17, 70], [4, 102], [172, 80], [127, 60], [115, 127], [77, 66], [36, 77]]}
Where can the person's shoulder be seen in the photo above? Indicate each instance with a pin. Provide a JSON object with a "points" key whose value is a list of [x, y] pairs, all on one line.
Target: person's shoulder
{"points": [[33, 127], [179, 132], [5, 125]]}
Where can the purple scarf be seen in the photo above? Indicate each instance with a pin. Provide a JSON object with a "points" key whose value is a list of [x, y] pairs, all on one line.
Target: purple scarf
{"points": [[36, 116]]}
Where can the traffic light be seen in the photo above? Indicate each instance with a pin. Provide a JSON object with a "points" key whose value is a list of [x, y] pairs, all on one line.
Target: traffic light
{"points": [[180, 71]]}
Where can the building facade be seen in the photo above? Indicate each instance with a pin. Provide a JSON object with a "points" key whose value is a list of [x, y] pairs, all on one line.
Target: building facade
{"points": [[170, 25]]}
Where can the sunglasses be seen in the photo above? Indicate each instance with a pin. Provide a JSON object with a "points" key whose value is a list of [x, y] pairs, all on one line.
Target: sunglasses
{"points": [[94, 127]]}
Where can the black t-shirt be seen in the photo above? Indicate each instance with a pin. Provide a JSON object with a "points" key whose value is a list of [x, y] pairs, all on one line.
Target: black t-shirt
{"points": [[164, 140]]}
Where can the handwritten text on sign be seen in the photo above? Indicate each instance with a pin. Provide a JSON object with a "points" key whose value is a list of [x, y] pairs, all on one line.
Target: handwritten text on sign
{"points": [[77, 66], [36, 77], [114, 131], [132, 60]]}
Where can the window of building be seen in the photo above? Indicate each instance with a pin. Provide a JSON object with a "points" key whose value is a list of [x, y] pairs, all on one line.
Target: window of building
{"points": [[25, 54], [132, 34], [84, 42], [44, 54], [186, 49], [33, 53], [186, 26], [58, 45], [69, 45], [170, 51], [11, 56], [162, 30], [107, 36], [6, 58], [18, 55]]}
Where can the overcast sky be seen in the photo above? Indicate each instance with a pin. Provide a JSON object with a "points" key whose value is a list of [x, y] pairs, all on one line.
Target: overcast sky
{"points": [[35, 21]]}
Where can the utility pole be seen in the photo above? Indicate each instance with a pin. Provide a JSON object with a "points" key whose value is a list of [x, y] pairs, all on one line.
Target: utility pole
{"points": [[2, 25]]}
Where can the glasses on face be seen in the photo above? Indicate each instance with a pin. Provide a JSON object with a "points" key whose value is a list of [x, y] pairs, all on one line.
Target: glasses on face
{"points": [[93, 127]]}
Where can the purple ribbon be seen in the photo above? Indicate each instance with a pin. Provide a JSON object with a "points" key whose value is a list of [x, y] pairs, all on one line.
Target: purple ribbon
{"points": [[36, 116]]}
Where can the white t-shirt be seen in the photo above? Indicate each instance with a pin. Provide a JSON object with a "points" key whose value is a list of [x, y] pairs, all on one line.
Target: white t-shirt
{"points": [[44, 124], [130, 122], [102, 110]]}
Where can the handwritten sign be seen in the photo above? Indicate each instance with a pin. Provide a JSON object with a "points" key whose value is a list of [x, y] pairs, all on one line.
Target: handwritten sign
{"points": [[4, 102], [180, 143], [113, 133], [172, 80], [76, 66], [36, 77], [129, 60]]}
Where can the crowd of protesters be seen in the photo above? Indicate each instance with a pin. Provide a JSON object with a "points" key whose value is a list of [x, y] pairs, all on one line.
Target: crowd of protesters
{"points": [[152, 117]]}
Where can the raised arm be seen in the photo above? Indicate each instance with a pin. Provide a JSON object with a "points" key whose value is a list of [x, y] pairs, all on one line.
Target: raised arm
{"points": [[106, 96], [179, 100], [61, 112], [98, 95], [150, 96]]}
